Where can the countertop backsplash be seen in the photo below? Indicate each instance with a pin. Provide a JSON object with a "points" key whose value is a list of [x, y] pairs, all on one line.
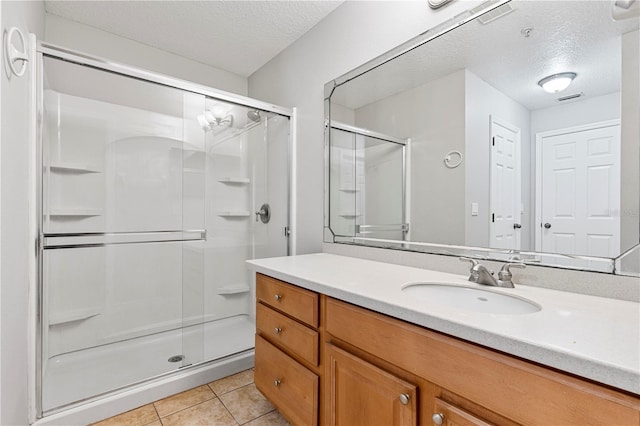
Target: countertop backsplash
{"points": [[583, 282]]}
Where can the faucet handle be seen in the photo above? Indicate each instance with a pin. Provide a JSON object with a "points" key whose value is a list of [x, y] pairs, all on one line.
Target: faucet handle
{"points": [[505, 271], [473, 272], [474, 262]]}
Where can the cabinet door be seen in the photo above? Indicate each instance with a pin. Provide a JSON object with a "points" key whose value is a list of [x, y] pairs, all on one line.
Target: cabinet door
{"points": [[362, 394]]}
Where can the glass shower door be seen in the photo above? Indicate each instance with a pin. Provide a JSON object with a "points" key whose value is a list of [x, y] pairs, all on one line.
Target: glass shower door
{"points": [[246, 215], [123, 177]]}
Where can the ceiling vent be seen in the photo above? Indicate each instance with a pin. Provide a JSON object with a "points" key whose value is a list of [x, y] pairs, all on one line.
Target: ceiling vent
{"points": [[569, 97], [496, 13]]}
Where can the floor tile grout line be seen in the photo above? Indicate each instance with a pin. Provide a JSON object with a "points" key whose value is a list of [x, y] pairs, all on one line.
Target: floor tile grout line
{"points": [[228, 411], [186, 408], [259, 417], [156, 410]]}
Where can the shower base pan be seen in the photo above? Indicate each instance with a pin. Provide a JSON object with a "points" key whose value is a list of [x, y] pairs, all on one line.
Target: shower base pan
{"points": [[77, 376]]}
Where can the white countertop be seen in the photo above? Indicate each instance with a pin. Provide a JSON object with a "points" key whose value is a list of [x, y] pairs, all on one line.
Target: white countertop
{"points": [[592, 337]]}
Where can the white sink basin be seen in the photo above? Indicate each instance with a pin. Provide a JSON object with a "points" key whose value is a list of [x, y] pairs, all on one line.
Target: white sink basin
{"points": [[471, 298]]}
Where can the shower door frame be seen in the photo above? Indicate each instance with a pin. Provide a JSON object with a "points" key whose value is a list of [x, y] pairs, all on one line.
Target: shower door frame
{"points": [[40, 50]]}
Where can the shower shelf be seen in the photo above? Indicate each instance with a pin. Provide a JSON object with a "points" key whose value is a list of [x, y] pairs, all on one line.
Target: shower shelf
{"points": [[75, 212], [193, 170], [74, 167], [233, 289], [75, 315], [231, 179], [234, 214], [349, 189], [350, 214]]}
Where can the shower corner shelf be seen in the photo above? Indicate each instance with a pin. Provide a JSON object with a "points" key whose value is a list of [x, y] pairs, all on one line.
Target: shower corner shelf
{"points": [[349, 189], [79, 212], [350, 214], [233, 289], [63, 166], [74, 315], [233, 214], [234, 179]]}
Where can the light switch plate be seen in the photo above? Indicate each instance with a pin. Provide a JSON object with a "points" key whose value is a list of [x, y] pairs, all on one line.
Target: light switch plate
{"points": [[474, 209]]}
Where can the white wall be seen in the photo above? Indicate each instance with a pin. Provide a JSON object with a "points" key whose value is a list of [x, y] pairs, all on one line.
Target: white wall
{"points": [[353, 34], [86, 39], [481, 102], [575, 113], [14, 227], [432, 115]]}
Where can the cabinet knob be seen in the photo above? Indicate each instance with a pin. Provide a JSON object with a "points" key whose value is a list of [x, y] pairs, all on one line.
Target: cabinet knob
{"points": [[277, 330], [278, 297], [404, 398], [276, 382], [438, 419]]}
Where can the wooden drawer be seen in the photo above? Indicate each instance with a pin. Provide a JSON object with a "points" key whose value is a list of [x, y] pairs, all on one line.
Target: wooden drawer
{"points": [[299, 303], [288, 385], [513, 388], [287, 333]]}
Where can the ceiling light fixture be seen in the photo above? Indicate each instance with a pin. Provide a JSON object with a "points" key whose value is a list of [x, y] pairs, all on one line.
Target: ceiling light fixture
{"points": [[557, 82]]}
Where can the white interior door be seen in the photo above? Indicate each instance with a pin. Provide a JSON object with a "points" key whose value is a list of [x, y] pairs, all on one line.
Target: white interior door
{"points": [[505, 192], [579, 196]]}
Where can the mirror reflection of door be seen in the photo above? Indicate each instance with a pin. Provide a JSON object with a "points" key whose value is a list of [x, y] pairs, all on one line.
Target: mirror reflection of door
{"points": [[505, 220], [579, 190]]}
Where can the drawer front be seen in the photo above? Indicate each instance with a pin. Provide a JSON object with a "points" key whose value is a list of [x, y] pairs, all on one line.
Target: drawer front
{"points": [[299, 303], [287, 333], [288, 385], [450, 415]]}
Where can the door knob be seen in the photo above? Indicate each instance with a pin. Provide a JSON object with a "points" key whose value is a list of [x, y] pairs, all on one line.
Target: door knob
{"points": [[547, 225]]}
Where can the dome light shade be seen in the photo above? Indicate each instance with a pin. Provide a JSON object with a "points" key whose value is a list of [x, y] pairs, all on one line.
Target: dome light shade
{"points": [[557, 82]]}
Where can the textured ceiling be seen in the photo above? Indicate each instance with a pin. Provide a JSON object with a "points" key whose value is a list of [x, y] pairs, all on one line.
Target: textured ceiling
{"points": [[236, 36], [577, 36]]}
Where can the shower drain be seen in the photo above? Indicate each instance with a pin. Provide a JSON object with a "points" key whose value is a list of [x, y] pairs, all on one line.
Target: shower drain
{"points": [[176, 358]]}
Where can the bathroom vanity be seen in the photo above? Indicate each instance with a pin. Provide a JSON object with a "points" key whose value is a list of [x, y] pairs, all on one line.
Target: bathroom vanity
{"points": [[339, 341]]}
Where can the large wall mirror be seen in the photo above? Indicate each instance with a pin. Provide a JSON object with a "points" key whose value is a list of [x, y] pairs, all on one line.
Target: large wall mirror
{"points": [[511, 132]]}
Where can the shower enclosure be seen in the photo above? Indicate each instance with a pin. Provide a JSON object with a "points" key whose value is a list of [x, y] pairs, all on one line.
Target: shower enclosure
{"points": [[367, 184], [152, 194]]}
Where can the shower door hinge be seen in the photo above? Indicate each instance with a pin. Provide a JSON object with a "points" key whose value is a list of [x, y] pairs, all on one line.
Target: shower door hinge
{"points": [[287, 231]]}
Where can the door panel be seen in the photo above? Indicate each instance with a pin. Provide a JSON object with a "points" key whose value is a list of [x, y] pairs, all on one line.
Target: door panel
{"points": [[580, 201], [505, 186], [363, 394]]}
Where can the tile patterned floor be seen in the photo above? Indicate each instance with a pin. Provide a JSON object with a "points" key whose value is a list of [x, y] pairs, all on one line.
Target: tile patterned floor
{"points": [[231, 401]]}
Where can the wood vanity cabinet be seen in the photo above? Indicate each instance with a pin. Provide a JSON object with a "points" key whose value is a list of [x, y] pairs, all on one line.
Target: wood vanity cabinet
{"points": [[287, 355], [375, 370], [460, 383]]}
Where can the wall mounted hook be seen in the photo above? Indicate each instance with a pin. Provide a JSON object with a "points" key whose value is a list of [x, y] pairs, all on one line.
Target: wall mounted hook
{"points": [[15, 56]]}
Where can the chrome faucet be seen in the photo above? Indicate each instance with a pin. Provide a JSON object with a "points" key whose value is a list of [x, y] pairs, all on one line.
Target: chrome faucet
{"points": [[481, 275]]}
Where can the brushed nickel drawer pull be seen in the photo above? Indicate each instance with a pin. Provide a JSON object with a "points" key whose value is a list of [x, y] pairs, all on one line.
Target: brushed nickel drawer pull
{"points": [[277, 330], [276, 382], [278, 297]]}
